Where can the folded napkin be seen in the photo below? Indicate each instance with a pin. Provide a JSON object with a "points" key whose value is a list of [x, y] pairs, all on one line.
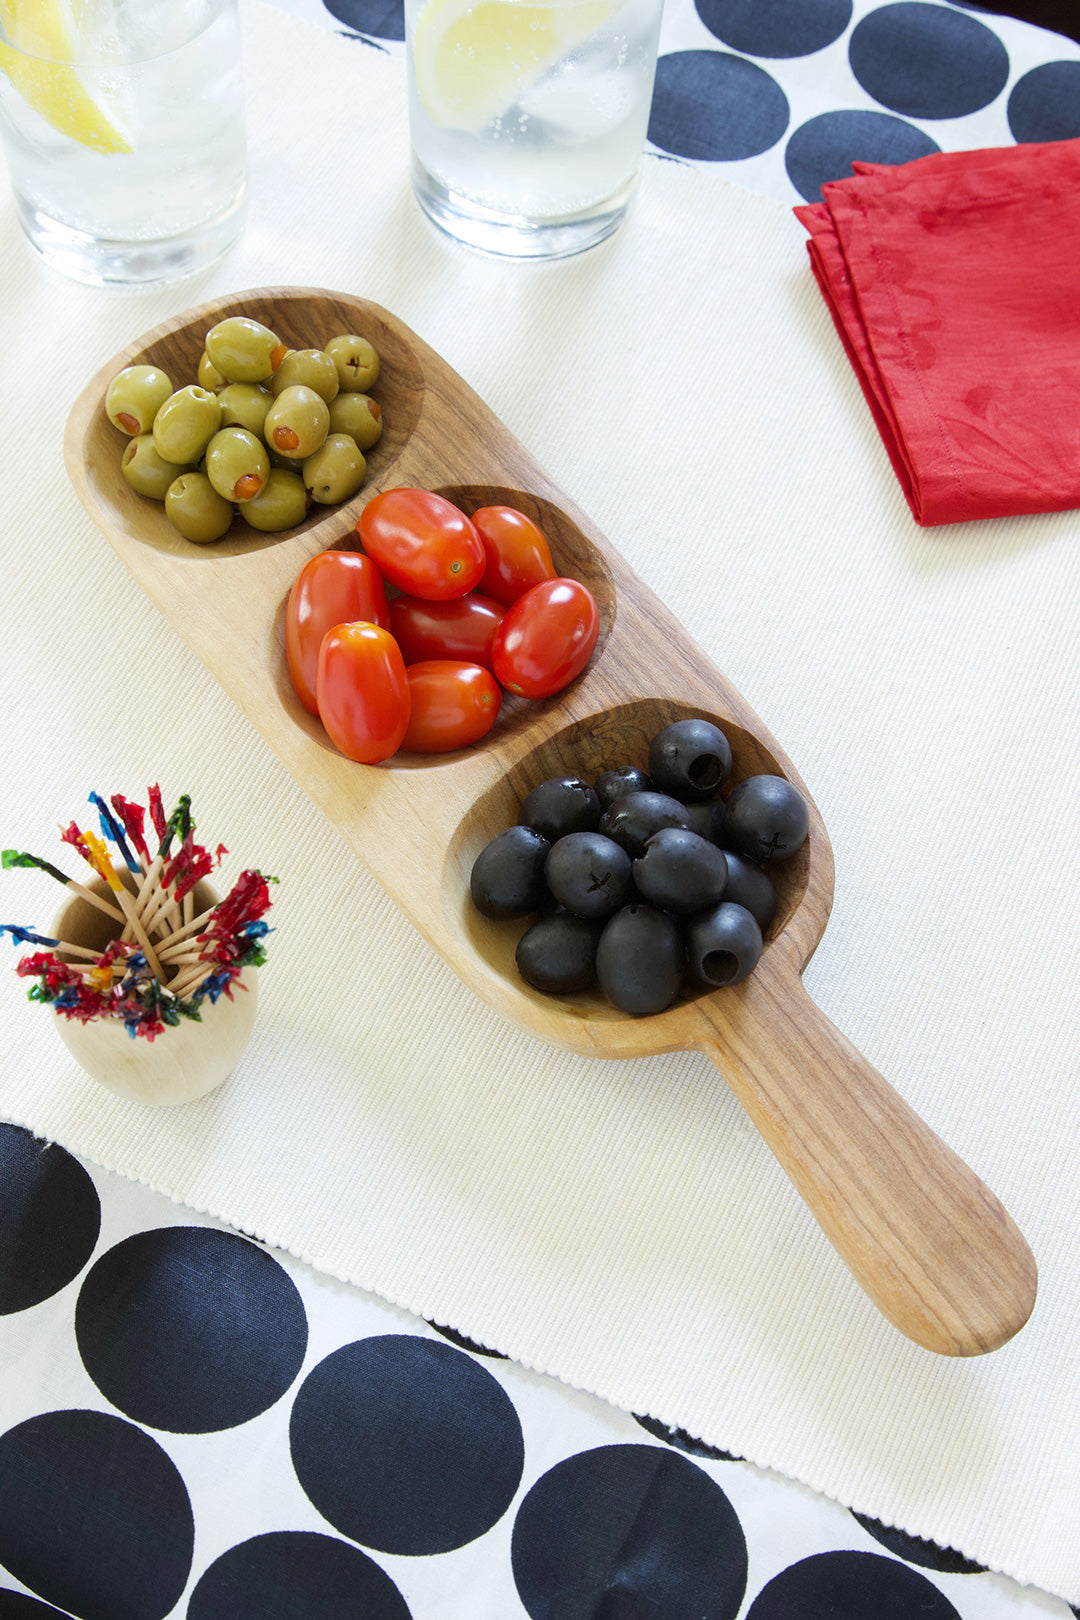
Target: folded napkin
{"points": [[954, 282]]}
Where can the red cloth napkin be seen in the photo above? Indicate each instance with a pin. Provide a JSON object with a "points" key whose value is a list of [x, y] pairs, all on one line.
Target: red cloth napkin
{"points": [[954, 282]]}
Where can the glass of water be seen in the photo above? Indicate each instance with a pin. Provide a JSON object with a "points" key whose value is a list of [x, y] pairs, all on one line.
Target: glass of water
{"points": [[123, 127], [528, 117]]}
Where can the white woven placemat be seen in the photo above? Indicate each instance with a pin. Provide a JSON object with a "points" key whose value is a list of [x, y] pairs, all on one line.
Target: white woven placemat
{"points": [[617, 1224]]}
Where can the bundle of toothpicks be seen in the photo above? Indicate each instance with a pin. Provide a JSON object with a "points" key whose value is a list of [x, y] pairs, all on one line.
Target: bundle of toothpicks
{"points": [[162, 961]]}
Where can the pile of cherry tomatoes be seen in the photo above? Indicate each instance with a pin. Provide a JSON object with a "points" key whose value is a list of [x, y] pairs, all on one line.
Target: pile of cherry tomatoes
{"points": [[479, 608]]}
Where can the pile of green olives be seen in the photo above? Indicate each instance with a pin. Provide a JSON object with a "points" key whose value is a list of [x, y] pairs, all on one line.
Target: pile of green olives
{"points": [[644, 878], [265, 430]]}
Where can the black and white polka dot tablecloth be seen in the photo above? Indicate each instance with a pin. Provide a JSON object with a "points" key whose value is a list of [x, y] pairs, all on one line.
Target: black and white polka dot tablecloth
{"points": [[193, 1426], [783, 94]]}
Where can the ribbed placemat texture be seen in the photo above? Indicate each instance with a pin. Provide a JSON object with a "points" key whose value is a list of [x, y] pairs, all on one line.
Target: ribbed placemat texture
{"points": [[617, 1224]]}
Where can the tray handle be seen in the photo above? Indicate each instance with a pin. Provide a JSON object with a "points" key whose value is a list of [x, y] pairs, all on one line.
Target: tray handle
{"points": [[926, 1240]]}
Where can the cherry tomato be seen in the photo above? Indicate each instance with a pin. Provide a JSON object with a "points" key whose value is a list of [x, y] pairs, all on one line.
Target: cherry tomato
{"points": [[462, 629], [453, 704], [363, 691], [336, 587], [516, 552], [421, 543], [546, 638]]}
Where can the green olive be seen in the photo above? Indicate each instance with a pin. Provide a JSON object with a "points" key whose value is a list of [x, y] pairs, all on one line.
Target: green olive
{"points": [[243, 350], [135, 396], [245, 405], [313, 368], [281, 504], [194, 506], [297, 422], [335, 471], [286, 463], [356, 361], [359, 416], [186, 423], [237, 464], [145, 470], [209, 376]]}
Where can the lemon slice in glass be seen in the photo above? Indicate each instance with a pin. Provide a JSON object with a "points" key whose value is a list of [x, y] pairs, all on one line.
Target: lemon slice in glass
{"points": [[474, 58], [36, 51]]}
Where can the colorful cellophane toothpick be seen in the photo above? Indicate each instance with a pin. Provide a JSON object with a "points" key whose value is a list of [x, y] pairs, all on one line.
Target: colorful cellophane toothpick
{"points": [[164, 962]]}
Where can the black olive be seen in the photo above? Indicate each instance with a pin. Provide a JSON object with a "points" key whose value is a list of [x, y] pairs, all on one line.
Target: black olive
{"points": [[680, 871], [749, 886], [558, 953], [561, 805], [707, 816], [723, 945], [640, 958], [615, 784], [633, 819], [690, 759], [507, 878], [765, 818], [588, 874]]}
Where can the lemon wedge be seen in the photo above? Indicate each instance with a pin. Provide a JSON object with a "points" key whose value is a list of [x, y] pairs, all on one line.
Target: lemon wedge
{"points": [[36, 53], [474, 58]]}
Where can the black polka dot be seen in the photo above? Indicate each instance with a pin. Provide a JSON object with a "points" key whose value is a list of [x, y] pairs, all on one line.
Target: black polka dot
{"points": [[381, 19], [94, 1516], [17, 1606], [190, 1329], [916, 1550], [406, 1444], [1045, 104], [824, 147], [850, 1586], [775, 27], [50, 1217], [464, 1343], [683, 1441], [925, 62], [295, 1575], [628, 1531], [712, 106]]}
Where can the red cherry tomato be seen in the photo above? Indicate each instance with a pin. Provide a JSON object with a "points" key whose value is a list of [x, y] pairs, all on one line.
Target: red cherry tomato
{"points": [[421, 543], [363, 691], [453, 704], [546, 638], [336, 587], [516, 551], [462, 629]]}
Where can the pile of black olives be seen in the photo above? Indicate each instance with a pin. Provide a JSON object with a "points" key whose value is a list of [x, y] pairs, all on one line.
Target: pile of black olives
{"points": [[642, 877], [265, 431]]}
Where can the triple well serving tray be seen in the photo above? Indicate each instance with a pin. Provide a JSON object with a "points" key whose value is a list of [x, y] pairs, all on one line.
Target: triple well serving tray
{"points": [[929, 1243]]}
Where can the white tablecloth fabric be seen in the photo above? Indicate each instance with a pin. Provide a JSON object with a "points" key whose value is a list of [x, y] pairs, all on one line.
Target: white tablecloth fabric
{"points": [[616, 1224]]}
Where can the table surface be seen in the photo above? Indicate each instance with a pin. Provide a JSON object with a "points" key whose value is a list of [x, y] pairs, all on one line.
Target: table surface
{"points": [[263, 1440]]}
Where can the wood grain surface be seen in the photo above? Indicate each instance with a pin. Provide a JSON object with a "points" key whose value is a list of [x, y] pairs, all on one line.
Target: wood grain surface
{"points": [[929, 1243]]}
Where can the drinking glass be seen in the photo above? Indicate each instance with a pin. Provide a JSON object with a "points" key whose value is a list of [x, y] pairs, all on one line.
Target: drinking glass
{"points": [[528, 117], [123, 127]]}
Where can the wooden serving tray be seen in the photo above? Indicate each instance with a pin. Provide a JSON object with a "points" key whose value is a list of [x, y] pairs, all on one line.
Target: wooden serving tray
{"points": [[929, 1243]]}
